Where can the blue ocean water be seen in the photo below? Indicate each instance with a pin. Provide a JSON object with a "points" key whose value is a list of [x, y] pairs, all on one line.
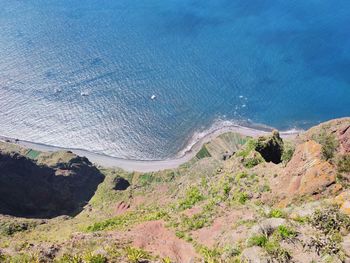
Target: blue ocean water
{"points": [[280, 63]]}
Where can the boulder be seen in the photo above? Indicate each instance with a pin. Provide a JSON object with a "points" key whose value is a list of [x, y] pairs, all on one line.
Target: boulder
{"points": [[120, 184], [271, 147], [254, 255]]}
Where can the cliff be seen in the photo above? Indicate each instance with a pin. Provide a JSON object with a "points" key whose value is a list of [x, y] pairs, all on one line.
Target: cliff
{"points": [[46, 189], [240, 199]]}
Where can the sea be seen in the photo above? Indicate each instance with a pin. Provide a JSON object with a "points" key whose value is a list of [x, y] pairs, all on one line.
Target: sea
{"points": [[142, 79]]}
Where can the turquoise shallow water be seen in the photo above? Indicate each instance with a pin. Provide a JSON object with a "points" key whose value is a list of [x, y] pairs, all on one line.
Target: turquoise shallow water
{"points": [[284, 64]]}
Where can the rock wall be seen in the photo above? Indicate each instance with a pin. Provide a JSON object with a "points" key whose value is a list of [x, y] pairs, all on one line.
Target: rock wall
{"points": [[30, 190]]}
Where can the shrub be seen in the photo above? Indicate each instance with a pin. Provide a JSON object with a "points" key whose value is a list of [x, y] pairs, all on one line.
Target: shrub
{"points": [[180, 234], [285, 233], [277, 253], [240, 176], [166, 260], [10, 228], [66, 258], [195, 222], [276, 213], [92, 258], [251, 162], [330, 220], [210, 255], [287, 154], [136, 255], [325, 245], [241, 197], [344, 164], [329, 144], [258, 240], [192, 197]]}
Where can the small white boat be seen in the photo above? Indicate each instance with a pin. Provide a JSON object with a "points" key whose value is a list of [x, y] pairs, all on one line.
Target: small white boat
{"points": [[58, 90], [84, 93], [153, 97]]}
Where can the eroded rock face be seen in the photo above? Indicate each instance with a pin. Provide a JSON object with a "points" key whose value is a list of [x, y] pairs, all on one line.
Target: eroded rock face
{"points": [[39, 191], [344, 139], [271, 147], [307, 173], [343, 200]]}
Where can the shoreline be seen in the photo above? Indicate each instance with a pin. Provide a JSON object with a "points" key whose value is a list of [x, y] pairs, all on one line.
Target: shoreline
{"points": [[131, 165]]}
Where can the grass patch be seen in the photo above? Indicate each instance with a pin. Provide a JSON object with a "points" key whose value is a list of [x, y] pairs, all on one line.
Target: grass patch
{"points": [[126, 220], [32, 154], [249, 146], [203, 153], [193, 196], [276, 213], [258, 240]]}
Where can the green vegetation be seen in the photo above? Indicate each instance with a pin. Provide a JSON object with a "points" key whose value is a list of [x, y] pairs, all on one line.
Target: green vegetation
{"points": [[192, 197], [166, 260], [210, 255], [69, 259], [10, 228], [32, 154], [344, 164], [276, 213], [258, 240], [147, 179], [288, 152], [276, 252], [126, 220], [203, 153], [248, 147], [252, 161], [94, 258], [330, 220], [195, 222], [328, 142], [270, 242], [285, 232], [136, 255]]}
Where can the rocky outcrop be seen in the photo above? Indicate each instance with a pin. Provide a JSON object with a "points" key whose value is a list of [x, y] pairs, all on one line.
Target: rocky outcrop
{"points": [[307, 173], [271, 147], [343, 200], [120, 184], [29, 189], [344, 139]]}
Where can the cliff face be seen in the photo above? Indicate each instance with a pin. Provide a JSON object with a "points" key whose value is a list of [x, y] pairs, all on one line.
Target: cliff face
{"points": [[268, 200], [29, 189]]}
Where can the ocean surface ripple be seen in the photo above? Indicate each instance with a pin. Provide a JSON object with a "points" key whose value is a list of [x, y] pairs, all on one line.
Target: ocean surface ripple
{"points": [[81, 74]]}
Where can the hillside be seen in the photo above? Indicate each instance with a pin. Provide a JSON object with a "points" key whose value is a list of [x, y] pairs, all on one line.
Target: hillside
{"points": [[240, 199]]}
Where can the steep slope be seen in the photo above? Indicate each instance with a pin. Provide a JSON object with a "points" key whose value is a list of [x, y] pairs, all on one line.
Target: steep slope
{"points": [[270, 201], [35, 190]]}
